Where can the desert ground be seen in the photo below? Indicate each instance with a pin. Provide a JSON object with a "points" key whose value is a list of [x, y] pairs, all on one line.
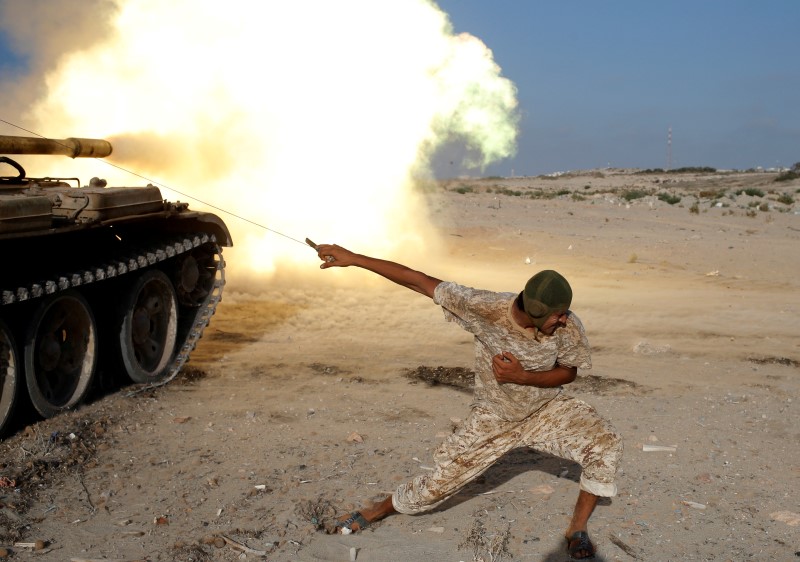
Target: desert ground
{"points": [[303, 401]]}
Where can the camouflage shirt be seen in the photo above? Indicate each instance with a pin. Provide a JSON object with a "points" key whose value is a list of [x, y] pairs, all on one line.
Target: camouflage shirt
{"points": [[487, 315]]}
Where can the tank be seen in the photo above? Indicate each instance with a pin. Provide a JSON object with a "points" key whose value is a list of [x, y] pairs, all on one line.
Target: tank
{"points": [[97, 279]]}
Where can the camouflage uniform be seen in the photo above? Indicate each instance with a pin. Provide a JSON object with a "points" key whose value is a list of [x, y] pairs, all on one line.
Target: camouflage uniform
{"points": [[507, 416]]}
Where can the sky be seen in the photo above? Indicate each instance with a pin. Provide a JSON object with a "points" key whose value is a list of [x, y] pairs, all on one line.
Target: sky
{"points": [[601, 83], [627, 83]]}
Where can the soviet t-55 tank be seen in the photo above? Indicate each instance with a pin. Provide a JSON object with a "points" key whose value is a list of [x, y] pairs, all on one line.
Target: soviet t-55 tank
{"points": [[96, 278]]}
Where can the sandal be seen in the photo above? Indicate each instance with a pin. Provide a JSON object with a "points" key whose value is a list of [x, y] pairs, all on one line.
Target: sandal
{"points": [[579, 542], [345, 526]]}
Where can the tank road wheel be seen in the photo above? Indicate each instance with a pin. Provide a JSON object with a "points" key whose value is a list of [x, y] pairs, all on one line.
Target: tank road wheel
{"points": [[195, 275], [8, 375], [149, 327], [60, 353]]}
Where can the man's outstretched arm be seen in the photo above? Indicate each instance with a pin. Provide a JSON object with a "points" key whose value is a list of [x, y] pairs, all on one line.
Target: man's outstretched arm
{"points": [[398, 273]]}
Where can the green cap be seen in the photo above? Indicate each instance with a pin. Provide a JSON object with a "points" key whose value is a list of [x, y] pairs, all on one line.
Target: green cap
{"points": [[545, 293]]}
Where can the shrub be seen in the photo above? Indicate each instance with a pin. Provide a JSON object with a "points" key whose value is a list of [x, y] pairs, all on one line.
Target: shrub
{"points": [[669, 198], [693, 170], [787, 176], [695, 208], [632, 194], [712, 194], [786, 199], [751, 191]]}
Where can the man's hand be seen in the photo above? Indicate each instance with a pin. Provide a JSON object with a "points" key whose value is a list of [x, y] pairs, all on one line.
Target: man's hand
{"points": [[507, 368], [333, 255]]}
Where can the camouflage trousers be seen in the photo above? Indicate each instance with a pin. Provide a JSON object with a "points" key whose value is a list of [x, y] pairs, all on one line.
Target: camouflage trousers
{"points": [[565, 427]]}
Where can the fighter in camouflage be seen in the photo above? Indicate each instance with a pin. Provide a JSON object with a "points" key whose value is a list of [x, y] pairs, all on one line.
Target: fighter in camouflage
{"points": [[96, 278]]}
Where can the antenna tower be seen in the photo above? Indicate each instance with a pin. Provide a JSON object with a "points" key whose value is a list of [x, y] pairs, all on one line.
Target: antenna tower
{"points": [[669, 148]]}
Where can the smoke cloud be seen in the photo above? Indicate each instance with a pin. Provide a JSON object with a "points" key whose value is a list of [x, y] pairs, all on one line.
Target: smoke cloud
{"points": [[310, 118]]}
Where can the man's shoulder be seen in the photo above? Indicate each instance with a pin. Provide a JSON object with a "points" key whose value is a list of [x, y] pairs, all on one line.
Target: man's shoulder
{"points": [[573, 331], [574, 319], [454, 289]]}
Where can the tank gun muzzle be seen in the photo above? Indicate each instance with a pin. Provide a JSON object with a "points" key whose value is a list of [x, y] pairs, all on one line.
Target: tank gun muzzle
{"points": [[72, 147]]}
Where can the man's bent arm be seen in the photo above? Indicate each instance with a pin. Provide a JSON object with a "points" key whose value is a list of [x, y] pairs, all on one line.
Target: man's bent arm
{"points": [[510, 371], [396, 272]]}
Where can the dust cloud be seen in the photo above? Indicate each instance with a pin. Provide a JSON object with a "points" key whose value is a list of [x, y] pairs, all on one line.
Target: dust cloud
{"points": [[289, 120]]}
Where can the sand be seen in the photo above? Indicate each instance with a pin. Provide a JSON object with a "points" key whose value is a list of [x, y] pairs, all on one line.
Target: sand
{"points": [[307, 400]]}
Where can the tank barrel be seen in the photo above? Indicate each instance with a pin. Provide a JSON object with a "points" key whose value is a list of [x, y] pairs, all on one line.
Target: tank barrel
{"points": [[72, 147]]}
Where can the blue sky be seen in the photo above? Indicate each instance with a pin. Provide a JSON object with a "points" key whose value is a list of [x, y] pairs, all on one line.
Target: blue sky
{"points": [[600, 83]]}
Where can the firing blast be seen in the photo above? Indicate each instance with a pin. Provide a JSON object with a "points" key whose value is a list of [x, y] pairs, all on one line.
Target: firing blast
{"points": [[312, 118]]}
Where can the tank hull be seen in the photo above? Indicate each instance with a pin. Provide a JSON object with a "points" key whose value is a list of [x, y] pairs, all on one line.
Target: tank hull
{"points": [[99, 283]]}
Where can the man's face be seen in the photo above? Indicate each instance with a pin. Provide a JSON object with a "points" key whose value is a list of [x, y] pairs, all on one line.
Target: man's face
{"points": [[554, 321]]}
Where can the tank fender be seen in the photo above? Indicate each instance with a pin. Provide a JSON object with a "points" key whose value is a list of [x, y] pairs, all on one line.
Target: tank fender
{"points": [[212, 222]]}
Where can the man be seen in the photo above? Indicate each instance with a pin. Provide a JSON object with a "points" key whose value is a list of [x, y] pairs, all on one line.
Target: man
{"points": [[526, 347]]}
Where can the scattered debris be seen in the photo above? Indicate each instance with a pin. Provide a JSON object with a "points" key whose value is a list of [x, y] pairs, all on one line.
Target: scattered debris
{"points": [[495, 545], [38, 545], [789, 517], [625, 548], [694, 505], [648, 448], [319, 513], [242, 548]]}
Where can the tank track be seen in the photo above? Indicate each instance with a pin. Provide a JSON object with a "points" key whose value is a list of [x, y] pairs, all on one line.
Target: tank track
{"points": [[139, 259]]}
